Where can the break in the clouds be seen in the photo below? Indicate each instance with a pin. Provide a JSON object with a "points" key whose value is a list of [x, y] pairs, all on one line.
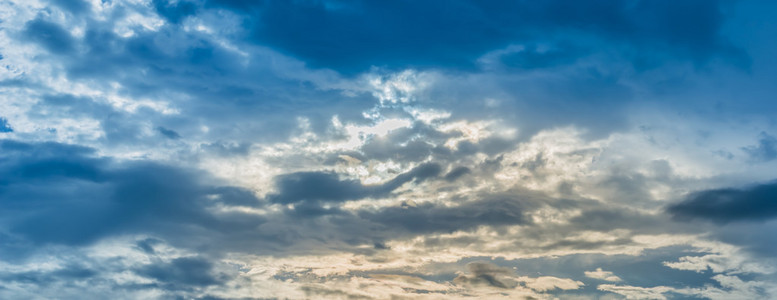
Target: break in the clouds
{"points": [[213, 149]]}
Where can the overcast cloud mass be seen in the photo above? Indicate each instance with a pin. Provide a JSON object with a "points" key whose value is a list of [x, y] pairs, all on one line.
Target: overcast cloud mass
{"points": [[337, 149]]}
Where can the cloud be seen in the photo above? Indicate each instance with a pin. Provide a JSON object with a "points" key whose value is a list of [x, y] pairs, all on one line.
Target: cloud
{"points": [[456, 173], [175, 12], [483, 273], [182, 273], [168, 133], [50, 36], [765, 151], [549, 283], [602, 275], [417, 35], [5, 126], [326, 186], [428, 218], [230, 149], [69, 273], [635, 292], [65, 194], [721, 206], [488, 274]]}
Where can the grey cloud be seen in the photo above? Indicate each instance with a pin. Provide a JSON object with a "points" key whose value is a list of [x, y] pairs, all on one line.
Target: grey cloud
{"points": [[147, 245], [119, 127], [227, 148], [55, 193], [68, 273], [756, 203], [50, 36], [456, 173], [63, 194], [757, 238], [646, 269], [454, 38], [168, 133], [319, 291], [327, 186], [428, 218], [175, 12], [483, 273], [606, 219], [765, 151], [388, 148], [182, 273]]}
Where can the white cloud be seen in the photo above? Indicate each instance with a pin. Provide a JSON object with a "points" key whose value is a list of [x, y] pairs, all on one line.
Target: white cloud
{"points": [[602, 275]]}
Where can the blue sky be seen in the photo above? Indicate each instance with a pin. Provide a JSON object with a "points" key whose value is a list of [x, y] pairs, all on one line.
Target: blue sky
{"points": [[228, 149]]}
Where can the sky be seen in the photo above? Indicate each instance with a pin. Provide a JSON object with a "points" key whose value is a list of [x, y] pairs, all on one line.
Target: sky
{"points": [[337, 149]]}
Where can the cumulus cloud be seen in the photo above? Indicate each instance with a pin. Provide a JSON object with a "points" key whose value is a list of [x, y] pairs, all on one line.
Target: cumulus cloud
{"points": [[211, 149]]}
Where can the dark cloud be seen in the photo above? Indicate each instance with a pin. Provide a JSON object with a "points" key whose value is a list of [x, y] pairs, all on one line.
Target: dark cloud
{"points": [[404, 34], [182, 273], [69, 273], [176, 11], [606, 219], [456, 173], [646, 269], [50, 36], [64, 194], [317, 186], [327, 186], [484, 273], [168, 133], [756, 203], [765, 151], [428, 218]]}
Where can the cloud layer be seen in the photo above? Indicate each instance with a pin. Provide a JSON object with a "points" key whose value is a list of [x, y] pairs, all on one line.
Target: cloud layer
{"points": [[214, 149]]}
